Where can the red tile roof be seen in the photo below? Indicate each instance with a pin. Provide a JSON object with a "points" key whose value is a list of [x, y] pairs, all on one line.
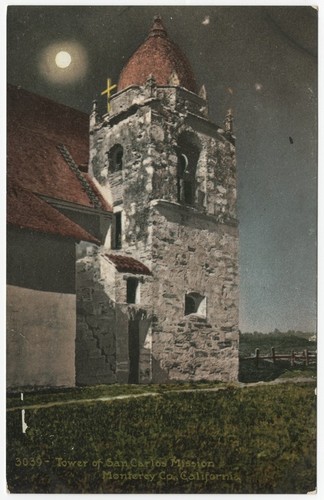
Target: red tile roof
{"points": [[36, 126], [27, 210], [125, 264], [158, 56]]}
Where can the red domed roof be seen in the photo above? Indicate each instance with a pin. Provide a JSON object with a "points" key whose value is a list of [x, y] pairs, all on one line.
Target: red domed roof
{"points": [[160, 57]]}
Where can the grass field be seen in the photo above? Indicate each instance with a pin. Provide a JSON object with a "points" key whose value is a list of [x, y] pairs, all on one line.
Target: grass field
{"points": [[34, 396], [236, 440]]}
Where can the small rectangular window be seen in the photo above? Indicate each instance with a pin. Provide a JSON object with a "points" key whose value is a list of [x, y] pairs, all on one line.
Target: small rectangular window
{"points": [[132, 291], [195, 304]]}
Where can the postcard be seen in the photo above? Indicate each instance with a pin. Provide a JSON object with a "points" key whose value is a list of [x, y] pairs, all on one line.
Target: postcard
{"points": [[162, 210]]}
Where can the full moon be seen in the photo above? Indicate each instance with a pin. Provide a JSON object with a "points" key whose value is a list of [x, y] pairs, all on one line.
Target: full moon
{"points": [[63, 62], [63, 59]]}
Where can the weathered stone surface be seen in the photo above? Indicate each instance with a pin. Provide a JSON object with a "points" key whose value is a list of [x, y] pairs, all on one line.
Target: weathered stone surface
{"points": [[188, 247], [95, 341]]}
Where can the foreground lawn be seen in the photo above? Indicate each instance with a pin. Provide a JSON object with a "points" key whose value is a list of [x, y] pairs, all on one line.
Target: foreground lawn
{"points": [[41, 396], [238, 440]]}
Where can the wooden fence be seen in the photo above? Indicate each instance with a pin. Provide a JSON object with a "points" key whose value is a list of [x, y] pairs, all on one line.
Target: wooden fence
{"points": [[307, 357]]}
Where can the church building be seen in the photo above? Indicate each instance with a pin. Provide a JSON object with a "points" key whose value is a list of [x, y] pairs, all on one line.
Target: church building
{"points": [[122, 235]]}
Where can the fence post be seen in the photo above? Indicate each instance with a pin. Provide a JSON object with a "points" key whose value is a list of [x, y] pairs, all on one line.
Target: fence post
{"points": [[292, 359], [307, 357], [273, 354], [257, 353]]}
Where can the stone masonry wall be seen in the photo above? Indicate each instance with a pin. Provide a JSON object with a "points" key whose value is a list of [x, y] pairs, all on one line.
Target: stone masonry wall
{"points": [[103, 316], [149, 136], [188, 248], [96, 321], [131, 188], [193, 254]]}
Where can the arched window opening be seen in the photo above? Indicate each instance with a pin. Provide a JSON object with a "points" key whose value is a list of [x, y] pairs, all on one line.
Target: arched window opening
{"points": [[188, 155], [115, 158], [195, 304]]}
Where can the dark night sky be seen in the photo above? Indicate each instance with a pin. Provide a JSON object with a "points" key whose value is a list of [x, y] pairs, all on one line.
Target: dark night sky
{"points": [[261, 62]]}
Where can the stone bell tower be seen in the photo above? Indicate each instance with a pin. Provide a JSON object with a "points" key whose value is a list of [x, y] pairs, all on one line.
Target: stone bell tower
{"points": [[169, 173]]}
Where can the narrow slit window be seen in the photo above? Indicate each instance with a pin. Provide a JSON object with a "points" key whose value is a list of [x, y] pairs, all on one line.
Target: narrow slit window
{"points": [[117, 231], [132, 291]]}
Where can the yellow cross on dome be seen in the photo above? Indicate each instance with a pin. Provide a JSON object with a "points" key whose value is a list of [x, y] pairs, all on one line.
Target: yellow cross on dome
{"points": [[108, 91]]}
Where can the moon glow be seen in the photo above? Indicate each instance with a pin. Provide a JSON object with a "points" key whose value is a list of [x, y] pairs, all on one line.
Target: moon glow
{"points": [[63, 59], [63, 62]]}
